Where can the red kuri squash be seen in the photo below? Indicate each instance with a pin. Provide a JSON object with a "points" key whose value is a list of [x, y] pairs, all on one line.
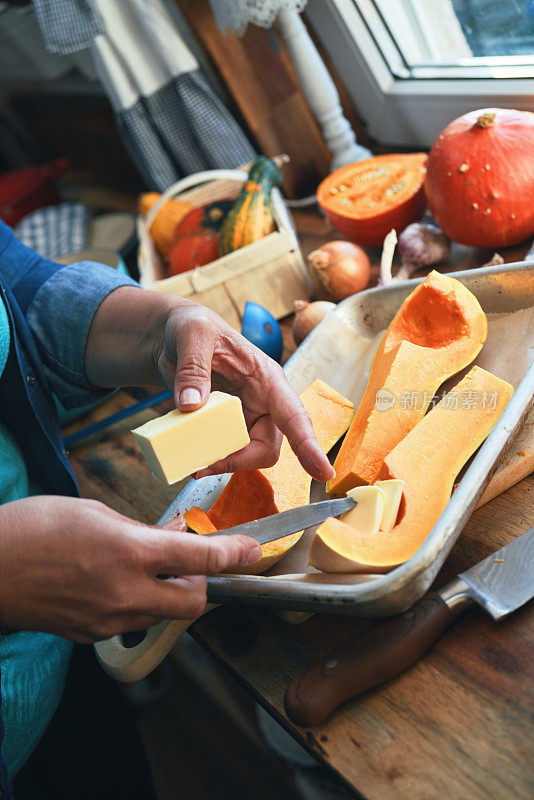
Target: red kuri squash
{"points": [[480, 176], [194, 250], [196, 237]]}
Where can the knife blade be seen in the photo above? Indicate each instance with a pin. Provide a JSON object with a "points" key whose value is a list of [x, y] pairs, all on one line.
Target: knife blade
{"points": [[500, 584], [268, 529], [504, 581]]}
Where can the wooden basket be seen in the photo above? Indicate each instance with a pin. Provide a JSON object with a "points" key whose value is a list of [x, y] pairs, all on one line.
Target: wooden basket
{"points": [[270, 272]]}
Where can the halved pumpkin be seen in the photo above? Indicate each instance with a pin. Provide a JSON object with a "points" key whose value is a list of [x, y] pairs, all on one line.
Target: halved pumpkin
{"points": [[438, 330], [367, 199], [259, 493], [427, 460]]}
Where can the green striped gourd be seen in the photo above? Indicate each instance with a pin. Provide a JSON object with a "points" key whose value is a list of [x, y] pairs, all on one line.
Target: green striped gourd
{"points": [[250, 218]]}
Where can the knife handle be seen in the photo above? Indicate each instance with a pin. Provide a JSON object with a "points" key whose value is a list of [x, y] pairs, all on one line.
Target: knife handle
{"points": [[378, 654], [130, 657]]}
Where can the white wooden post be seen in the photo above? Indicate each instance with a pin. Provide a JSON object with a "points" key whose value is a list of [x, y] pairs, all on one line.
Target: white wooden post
{"points": [[320, 92]]}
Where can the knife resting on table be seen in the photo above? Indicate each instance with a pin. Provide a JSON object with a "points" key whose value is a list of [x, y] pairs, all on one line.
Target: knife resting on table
{"points": [[501, 583]]}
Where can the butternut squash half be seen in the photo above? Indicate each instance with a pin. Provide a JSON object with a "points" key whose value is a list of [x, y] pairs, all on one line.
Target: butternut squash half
{"points": [[438, 330], [427, 460], [259, 493]]}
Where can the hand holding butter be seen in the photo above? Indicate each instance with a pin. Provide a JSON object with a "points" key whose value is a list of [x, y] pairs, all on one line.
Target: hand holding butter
{"points": [[181, 443]]}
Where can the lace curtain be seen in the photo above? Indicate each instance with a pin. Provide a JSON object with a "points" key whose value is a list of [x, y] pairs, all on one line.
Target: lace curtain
{"points": [[237, 14]]}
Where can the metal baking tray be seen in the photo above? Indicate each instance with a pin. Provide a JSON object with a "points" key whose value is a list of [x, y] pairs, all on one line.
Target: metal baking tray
{"points": [[339, 352]]}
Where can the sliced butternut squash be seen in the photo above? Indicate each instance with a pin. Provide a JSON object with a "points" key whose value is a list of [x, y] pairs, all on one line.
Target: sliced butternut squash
{"points": [[198, 520], [438, 330], [427, 460], [259, 493]]}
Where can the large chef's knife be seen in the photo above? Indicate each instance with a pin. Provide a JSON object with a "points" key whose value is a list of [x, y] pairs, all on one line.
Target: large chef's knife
{"points": [[131, 656], [501, 583]]}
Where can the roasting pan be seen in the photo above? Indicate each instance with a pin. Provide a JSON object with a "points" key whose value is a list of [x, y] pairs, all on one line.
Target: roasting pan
{"points": [[339, 351]]}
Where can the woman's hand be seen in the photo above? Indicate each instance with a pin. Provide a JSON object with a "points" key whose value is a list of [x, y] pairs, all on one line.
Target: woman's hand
{"points": [[82, 571], [145, 338], [200, 352]]}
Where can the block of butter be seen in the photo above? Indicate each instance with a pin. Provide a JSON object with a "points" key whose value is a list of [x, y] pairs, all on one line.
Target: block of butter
{"points": [[178, 443]]}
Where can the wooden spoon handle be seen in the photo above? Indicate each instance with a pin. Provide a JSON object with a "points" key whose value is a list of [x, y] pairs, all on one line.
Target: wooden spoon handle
{"points": [[380, 653], [131, 656]]}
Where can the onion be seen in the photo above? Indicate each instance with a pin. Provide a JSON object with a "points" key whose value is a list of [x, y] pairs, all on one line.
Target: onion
{"points": [[421, 244], [307, 316], [342, 268]]}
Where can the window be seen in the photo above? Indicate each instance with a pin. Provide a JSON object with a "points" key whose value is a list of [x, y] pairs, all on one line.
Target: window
{"points": [[411, 66]]}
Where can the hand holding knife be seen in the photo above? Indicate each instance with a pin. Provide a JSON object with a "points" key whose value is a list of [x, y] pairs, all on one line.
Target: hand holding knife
{"points": [[133, 655]]}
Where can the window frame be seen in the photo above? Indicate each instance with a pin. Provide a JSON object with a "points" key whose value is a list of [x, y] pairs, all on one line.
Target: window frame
{"points": [[409, 107]]}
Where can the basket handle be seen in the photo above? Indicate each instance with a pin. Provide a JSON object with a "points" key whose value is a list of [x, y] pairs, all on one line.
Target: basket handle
{"points": [[187, 183]]}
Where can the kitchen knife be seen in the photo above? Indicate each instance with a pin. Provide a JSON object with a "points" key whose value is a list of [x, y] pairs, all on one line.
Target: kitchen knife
{"points": [[501, 583], [268, 529], [131, 656]]}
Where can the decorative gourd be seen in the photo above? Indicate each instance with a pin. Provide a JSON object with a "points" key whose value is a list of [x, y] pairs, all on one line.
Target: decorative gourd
{"points": [[164, 224], [438, 330], [209, 217], [367, 199], [259, 493], [196, 240], [480, 175], [250, 218], [427, 460]]}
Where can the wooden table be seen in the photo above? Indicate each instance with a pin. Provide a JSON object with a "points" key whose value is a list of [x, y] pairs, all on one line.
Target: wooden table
{"points": [[457, 725]]}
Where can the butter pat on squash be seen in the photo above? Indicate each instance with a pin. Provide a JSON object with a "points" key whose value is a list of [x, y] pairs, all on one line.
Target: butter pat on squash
{"points": [[392, 491], [438, 330], [367, 515], [427, 460], [255, 494], [180, 443]]}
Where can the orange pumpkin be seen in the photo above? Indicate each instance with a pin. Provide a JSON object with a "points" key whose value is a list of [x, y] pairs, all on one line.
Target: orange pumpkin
{"points": [[480, 176], [367, 199], [193, 250]]}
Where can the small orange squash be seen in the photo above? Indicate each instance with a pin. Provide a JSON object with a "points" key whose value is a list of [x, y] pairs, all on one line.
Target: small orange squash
{"points": [[438, 330], [165, 221], [427, 460], [259, 493]]}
